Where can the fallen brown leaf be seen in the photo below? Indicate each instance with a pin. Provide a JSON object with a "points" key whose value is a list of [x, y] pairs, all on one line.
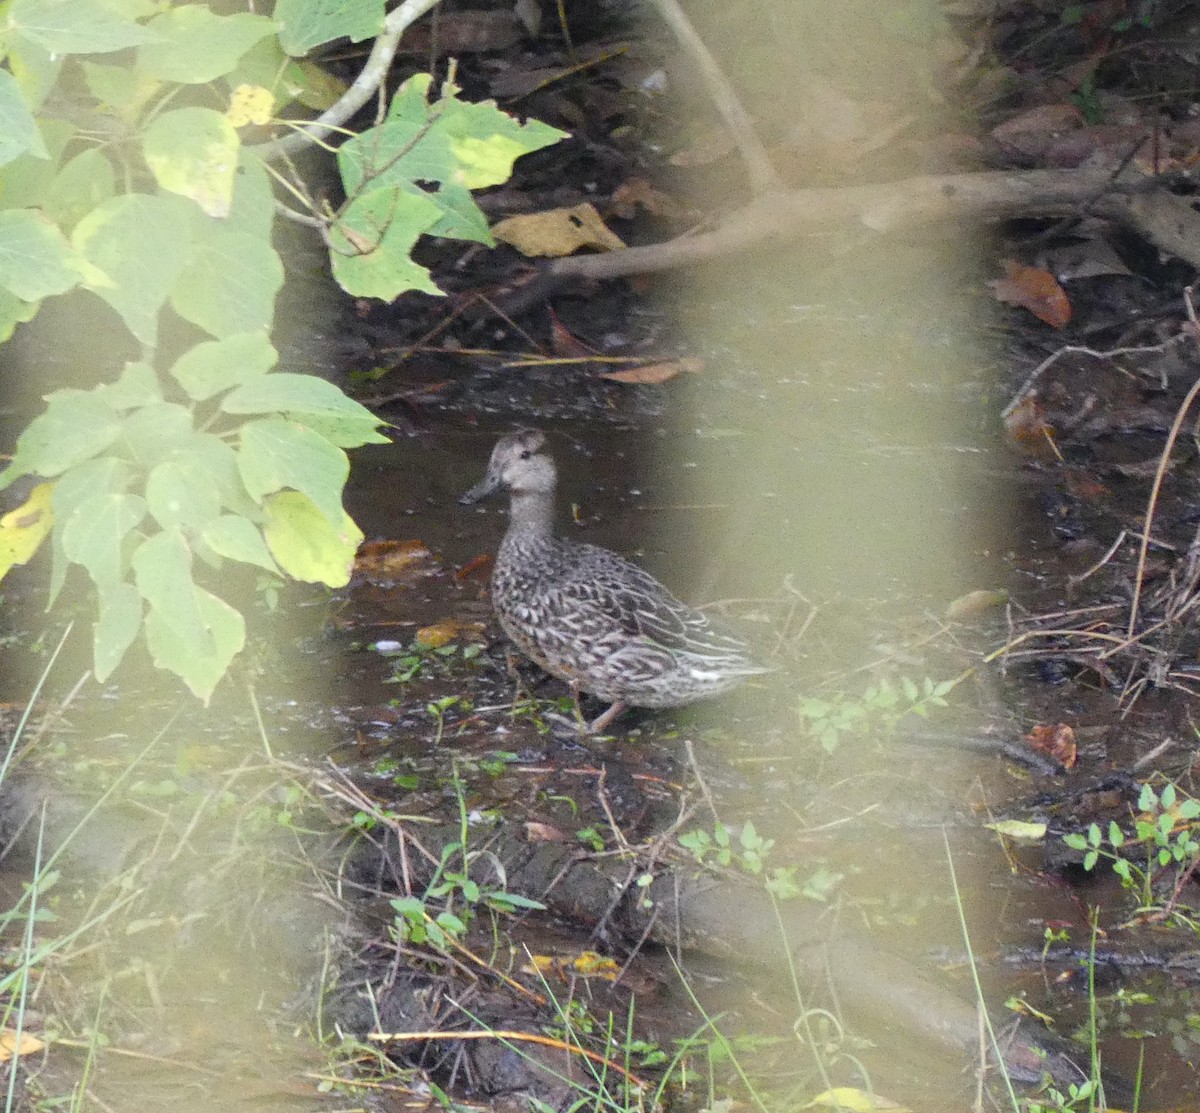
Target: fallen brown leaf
{"points": [[1058, 741], [1034, 289], [558, 232], [650, 373]]}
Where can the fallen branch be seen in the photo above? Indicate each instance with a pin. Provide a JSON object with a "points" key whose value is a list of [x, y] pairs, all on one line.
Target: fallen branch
{"points": [[1170, 222]]}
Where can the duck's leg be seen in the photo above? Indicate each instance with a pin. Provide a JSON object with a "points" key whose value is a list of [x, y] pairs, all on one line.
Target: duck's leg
{"points": [[601, 721]]}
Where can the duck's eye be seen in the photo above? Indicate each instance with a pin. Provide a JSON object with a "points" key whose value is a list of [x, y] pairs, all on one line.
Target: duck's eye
{"points": [[526, 453]]}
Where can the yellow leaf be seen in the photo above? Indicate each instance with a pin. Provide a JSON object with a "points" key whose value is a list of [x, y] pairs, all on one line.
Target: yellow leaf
{"points": [[22, 530], [250, 104], [1018, 829], [857, 1101], [558, 232], [8, 1044], [439, 634]]}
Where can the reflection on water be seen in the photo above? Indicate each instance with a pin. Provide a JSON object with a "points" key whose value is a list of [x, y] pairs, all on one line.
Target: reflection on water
{"points": [[843, 406]]}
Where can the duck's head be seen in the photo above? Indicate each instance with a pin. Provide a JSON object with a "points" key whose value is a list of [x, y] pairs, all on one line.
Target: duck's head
{"points": [[520, 463]]}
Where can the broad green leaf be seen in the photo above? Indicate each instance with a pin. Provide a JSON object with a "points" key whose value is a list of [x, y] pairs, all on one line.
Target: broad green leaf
{"points": [[171, 649], [274, 454], [18, 129], [76, 26], [142, 243], [94, 535], [309, 23], [137, 386], [122, 90], [299, 396], [253, 208], [162, 569], [347, 432], [288, 79], [182, 495], [315, 403], [236, 538], [25, 181], [118, 624], [371, 244], [35, 69], [310, 84], [14, 311], [194, 152], [306, 544], [196, 45], [36, 261], [216, 365], [77, 488], [213, 455], [75, 426], [154, 432], [83, 183], [230, 284]]}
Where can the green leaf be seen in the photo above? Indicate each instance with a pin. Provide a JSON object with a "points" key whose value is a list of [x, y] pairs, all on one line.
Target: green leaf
{"points": [[304, 542], [142, 243], [118, 624], [213, 455], [236, 538], [370, 245], [253, 208], [35, 68], [194, 152], [76, 26], [18, 129], [137, 386], [162, 568], [85, 182], [75, 426], [309, 23], [230, 284], [274, 454], [348, 432], [154, 432], [216, 365], [121, 90], [182, 495], [76, 488], [14, 311], [94, 535], [196, 45], [36, 261], [299, 396], [172, 650]]}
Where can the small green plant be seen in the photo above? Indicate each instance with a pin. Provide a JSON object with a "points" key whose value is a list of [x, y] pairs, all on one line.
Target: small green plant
{"points": [[878, 710], [459, 894], [420, 659], [747, 850], [1164, 834], [1081, 1096]]}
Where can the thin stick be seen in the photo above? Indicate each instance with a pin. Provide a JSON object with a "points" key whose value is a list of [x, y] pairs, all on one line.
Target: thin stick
{"points": [[1160, 473], [762, 175]]}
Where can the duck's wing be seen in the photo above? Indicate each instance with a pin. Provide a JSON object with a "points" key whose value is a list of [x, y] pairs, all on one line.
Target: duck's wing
{"points": [[627, 603]]}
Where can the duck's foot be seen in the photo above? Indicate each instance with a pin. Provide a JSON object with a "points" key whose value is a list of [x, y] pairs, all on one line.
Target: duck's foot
{"points": [[601, 722]]}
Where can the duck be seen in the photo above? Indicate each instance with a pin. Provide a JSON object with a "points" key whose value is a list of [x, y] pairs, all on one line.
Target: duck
{"points": [[589, 616]]}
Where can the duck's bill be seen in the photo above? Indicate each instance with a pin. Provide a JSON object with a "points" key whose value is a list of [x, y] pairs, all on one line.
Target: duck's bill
{"points": [[481, 490]]}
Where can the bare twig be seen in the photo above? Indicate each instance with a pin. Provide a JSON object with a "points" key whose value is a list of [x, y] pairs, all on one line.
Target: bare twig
{"points": [[369, 80], [1160, 472], [763, 178]]}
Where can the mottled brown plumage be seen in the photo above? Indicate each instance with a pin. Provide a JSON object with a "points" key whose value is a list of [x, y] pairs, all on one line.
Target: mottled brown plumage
{"points": [[589, 616]]}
